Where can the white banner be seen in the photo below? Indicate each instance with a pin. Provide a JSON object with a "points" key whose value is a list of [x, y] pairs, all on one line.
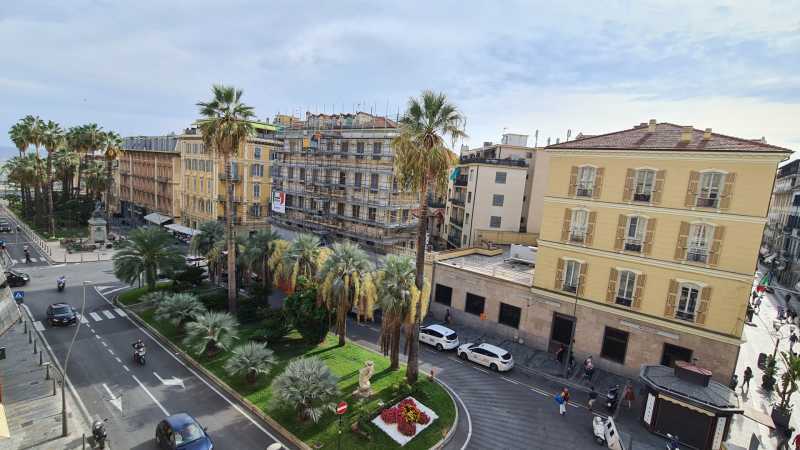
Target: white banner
{"points": [[279, 202]]}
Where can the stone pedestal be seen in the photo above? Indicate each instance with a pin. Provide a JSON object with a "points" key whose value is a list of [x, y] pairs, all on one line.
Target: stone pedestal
{"points": [[97, 230]]}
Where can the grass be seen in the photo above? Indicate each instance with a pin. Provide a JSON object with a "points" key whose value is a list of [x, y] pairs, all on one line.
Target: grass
{"points": [[131, 296], [344, 362]]}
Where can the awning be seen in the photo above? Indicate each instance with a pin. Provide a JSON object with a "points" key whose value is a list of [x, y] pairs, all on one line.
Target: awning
{"points": [[157, 218], [182, 229], [770, 258]]}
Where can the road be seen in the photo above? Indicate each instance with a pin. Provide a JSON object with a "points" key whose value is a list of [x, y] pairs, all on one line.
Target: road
{"points": [[111, 385], [15, 245]]}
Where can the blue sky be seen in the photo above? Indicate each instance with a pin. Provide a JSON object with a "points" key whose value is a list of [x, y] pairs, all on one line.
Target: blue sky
{"points": [[140, 67]]}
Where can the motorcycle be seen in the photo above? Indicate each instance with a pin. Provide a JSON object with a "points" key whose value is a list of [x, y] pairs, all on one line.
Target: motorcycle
{"points": [[61, 283], [672, 443], [138, 355], [599, 430], [99, 433], [612, 398]]}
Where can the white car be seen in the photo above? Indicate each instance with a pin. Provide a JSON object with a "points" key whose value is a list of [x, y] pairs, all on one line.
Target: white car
{"points": [[442, 338], [488, 355], [196, 261]]}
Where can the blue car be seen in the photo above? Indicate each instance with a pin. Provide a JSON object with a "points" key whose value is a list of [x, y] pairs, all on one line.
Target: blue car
{"points": [[182, 431]]}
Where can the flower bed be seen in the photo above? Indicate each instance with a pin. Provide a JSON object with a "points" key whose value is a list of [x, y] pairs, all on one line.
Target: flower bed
{"points": [[405, 420]]}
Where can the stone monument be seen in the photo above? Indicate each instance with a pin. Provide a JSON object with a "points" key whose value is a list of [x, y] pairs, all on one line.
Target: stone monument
{"points": [[364, 374], [97, 226]]}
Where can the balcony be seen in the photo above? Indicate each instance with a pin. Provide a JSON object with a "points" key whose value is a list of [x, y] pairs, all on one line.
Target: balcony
{"points": [[461, 180], [697, 255], [236, 198], [236, 220], [495, 162], [234, 177], [707, 202], [633, 246], [584, 191], [642, 198], [578, 236], [457, 201], [457, 222]]}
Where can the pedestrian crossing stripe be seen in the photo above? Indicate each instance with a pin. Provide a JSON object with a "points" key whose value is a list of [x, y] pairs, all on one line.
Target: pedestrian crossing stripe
{"points": [[83, 319], [95, 316], [120, 312], [108, 314]]}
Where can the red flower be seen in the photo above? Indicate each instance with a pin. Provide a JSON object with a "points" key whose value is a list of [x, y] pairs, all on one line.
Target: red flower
{"points": [[389, 415], [423, 418], [406, 428]]}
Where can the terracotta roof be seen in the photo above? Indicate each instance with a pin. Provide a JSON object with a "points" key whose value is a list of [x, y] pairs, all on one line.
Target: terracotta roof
{"points": [[667, 136]]}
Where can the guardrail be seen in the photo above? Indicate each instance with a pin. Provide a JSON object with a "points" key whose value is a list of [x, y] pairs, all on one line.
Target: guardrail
{"points": [[34, 238]]}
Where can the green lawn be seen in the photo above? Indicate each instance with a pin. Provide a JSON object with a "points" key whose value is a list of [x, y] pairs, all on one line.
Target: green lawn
{"points": [[131, 296], [344, 362]]}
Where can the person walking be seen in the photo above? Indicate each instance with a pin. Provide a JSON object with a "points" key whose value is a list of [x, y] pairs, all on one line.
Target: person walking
{"points": [[628, 395], [560, 353], [734, 382], [792, 341], [750, 311], [447, 316], [757, 305], [748, 374], [592, 398], [562, 404]]}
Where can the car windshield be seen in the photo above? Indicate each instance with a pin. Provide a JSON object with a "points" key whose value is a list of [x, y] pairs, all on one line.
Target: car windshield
{"points": [[62, 310], [452, 336], [189, 433], [506, 357]]}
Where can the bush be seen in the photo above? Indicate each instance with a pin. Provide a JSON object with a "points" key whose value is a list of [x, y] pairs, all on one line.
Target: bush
{"points": [[307, 386], [215, 300], [308, 318], [247, 310], [188, 278], [275, 325]]}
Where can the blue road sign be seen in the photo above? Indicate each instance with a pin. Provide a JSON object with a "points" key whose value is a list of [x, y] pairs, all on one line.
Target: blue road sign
{"points": [[19, 296]]}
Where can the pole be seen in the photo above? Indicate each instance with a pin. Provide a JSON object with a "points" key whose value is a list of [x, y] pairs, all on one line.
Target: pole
{"points": [[574, 326], [66, 365], [339, 438]]}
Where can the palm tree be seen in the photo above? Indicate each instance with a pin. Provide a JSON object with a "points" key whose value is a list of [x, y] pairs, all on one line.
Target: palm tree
{"points": [[260, 248], [209, 243], [66, 161], [112, 143], [19, 135], [53, 139], [226, 126], [422, 163], [307, 386], [345, 281], [95, 176], [303, 257], [178, 309], [211, 332], [395, 290], [36, 136], [252, 359], [146, 251]]}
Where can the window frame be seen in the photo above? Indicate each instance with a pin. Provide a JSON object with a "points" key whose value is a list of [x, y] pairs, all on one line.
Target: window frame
{"points": [[470, 302], [585, 185], [500, 197], [699, 253], [683, 313], [714, 194], [257, 152], [635, 243], [630, 283], [604, 350], [639, 185], [440, 298], [500, 180], [578, 233], [503, 315], [573, 268], [495, 223]]}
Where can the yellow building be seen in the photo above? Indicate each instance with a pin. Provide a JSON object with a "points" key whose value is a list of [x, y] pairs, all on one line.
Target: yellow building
{"points": [[651, 236], [203, 184]]}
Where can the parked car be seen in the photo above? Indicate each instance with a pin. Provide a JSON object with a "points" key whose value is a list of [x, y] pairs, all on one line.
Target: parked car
{"points": [[182, 431], [441, 337], [15, 279], [5, 226], [196, 261], [488, 355], [61, 314]]}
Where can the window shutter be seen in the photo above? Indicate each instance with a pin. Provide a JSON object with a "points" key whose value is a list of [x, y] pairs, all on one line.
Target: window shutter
{"points": [[672, 296], [559, 274], [627, 193], [716, 245], [727, 191], [641, 280], [683, 241], [702, 308], [658, 187], [590, 227], [691, 190], [649, 235], [611, 293], [582, 279], [573, 181], [620, 239], [565, 226], [598, 183]]}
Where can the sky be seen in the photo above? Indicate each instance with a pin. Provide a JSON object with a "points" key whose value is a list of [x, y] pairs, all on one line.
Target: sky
{"points": [[139, 68]]}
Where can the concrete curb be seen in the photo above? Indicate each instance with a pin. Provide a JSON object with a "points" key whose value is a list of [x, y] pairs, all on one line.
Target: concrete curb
{"points": [[186, 358]]}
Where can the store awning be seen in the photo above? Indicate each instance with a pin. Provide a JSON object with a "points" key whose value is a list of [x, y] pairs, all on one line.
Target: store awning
{"points": [[182, 229], [770, 258], [157, 218]]}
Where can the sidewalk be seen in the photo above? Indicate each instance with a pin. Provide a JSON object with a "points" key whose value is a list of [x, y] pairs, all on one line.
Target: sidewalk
{"points": [[758, 337], [32, 410]]}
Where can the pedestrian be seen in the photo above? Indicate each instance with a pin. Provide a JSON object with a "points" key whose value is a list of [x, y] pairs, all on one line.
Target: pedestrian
{"points": [[562, 404], [560, 353], [592, 397], [447, 316], [748, 374], [565, 394], [792, 341], [628, 395], [588, 368], [796, 442], [784, 438], [757, 305], [734, 382], [750, 312]]}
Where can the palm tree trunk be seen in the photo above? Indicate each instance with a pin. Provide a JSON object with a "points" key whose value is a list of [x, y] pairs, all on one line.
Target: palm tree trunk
{"points": [[50, 194], [412, 369], [230, 216], [80, 169], [394, 350], [109, 180]]}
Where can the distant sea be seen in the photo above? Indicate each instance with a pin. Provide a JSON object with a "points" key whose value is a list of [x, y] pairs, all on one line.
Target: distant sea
{"points": [[7, 152]]}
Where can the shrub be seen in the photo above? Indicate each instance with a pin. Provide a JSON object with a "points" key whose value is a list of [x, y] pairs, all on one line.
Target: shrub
{"points": [[211, 332], [275, 325], [305, 315], [247, 310], [214, 300], [179, 309], [307, 386], [187, 278], [155, 297], [251, 359]]}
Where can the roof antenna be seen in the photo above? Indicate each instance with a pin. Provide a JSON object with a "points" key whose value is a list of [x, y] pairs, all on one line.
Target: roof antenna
{"points": [[569, 133], [536, 138]]}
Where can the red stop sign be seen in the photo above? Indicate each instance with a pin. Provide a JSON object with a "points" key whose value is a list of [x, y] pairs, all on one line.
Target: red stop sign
{"points": [[341, 408]]}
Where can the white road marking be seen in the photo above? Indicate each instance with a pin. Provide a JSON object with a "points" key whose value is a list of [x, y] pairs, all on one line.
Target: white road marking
{"points": [[174, 381], [116, 401], [463, 406], [83, 319], [95, 316], [120, 312], [38, 325], [104, 343], [14, 261], [164, 410], [115, 290], [108, 314], [125, 367], [510, 380], [118, 360], [97, 336], [482, 370], [111, 352]]}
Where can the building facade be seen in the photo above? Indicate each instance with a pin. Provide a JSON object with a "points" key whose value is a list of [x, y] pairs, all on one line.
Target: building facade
{"points": [[334, 176], [781, 249], [148, 177]]}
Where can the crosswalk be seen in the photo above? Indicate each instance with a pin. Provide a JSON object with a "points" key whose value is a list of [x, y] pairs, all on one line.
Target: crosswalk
{"points": [[22, 261], [94, 316]]}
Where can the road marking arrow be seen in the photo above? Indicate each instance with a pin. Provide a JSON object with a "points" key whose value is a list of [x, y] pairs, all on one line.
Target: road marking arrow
{"points": [[174, 381], [116, 401]]}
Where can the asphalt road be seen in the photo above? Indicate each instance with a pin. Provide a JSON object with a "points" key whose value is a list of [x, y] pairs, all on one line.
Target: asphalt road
{"points": [[15, 245], [111, 385]]}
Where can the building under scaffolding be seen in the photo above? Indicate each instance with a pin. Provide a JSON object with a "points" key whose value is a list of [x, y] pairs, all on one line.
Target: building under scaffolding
{"points": [[335, 177]]}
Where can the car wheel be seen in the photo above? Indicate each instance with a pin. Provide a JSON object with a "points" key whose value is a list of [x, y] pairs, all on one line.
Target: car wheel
{"points": [[493, 366], [439, 347], [463, 356]]}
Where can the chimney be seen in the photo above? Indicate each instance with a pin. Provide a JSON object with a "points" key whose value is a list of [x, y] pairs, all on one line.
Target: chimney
{"points": [[651, 127], [686, 134], [707, 134]]}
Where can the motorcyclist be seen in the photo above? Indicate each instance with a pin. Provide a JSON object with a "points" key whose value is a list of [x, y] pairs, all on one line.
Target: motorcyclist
{"points": [[138, 345], [61, 281]]}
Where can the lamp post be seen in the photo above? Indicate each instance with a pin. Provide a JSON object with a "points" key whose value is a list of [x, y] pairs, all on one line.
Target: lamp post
{"points": [[574, 325], [66, 362]]}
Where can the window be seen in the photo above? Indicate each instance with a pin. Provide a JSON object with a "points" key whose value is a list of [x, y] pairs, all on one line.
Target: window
{"points": [[357, 180], [469, 197], [615, 345], [495, 221], [443, 295], [302, 174], [329, 146], [372, 214], [377, 150], [342, 178], [509, 315], [356, 210], [500, 177], [373, 181], [625, 287], [359, 150], [340, 209], [578, 225], [256, 210], [194, 148], [290, 173], [710, 187], [256, 190], [634, 233], [257, 170], [498, 199], [257, 153], [474, 304], [586, 177], [405, 216], [687, 302], [344, 148], [572, 270], [796, 200], [392, 216], [699, 236], [645, 179], [293, 144]]}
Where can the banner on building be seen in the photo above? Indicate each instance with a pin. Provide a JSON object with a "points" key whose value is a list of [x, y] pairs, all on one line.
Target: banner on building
{"points": [[279, 202]]}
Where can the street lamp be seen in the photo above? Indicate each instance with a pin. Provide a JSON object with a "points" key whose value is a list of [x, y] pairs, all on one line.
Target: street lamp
{"points": [[66, 360], [64, 428]]}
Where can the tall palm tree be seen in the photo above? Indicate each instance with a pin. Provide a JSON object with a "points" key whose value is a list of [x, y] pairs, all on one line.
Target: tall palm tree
{"points": [[303, 257], [422, 163], [66, 161], [53, 139], [395, 290], [36, 136], [346, 280], [76, 142], [209, 243], [95, 176], [260, 248], [112, 144], [226, 126], [147, 251], [19, 135]]}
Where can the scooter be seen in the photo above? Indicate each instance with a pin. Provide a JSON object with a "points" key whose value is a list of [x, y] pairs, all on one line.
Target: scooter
{"points": [[138, 355], [599, 430], [612, 398], [672, 443], [61, 283], [99, 433]]}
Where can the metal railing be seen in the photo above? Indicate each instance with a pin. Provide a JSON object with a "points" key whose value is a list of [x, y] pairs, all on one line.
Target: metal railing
{"points": [[493, 161]]}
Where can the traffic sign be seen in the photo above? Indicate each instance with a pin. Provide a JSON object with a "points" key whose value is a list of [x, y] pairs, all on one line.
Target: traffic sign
{"points": [[341, 408], [19, 296]]}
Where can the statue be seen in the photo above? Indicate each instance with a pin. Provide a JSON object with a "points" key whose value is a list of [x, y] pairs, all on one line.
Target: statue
{"points": [[364, 374]]}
